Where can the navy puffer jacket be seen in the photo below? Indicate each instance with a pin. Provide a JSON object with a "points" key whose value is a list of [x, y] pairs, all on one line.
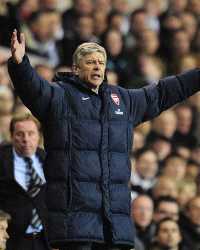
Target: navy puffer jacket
{"points": [[87, 139]]}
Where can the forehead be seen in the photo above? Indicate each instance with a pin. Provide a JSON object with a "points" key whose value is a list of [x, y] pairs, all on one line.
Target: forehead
{"points": [[94, 56], [25, 125], [3, 224]]}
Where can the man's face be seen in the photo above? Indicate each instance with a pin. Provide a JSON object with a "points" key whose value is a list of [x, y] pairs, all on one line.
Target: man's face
{"points": [[25, 137], [142, 211], [194, 211], [169, 234], [166, 209], [92, 69], [3, 234]]}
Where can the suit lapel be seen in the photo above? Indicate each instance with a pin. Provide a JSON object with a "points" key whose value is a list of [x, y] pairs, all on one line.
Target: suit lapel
{"points": [[9, 166]]}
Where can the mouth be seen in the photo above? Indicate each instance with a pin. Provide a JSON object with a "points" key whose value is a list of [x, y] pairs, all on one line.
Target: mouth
{"points": [[96, 76]]}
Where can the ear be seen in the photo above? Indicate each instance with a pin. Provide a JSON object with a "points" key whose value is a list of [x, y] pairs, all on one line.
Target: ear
{"points": [[75, 69]]}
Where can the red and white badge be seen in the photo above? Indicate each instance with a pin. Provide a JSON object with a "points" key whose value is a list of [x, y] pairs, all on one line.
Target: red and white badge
{"points": [[115, 98]]}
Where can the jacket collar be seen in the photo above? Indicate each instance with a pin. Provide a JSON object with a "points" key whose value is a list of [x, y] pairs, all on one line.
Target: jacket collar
{"points": [[73, 79]]}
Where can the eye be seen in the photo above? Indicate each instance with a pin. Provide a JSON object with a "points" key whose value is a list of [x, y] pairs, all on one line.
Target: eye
{"points": [[89, 62]]}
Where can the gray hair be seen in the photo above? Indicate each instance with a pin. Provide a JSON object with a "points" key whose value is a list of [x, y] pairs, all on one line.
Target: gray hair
{"points": [[85, 49], [4, 216]]}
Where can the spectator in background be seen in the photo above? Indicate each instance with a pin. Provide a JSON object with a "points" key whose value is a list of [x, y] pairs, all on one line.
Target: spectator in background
{"points": [[6, 108], [139, 141], [103, 6], [43, 33], [22, 185], [100, 22], [4, 77], [142, 215], [190, 223], [186, 191], [189, 24], [83, 32], [4, 220], [25, 8], [144, 170], [194, 7], [6, 100], [164, 186], [117, 57], [174, 167], [164, 125], [45, 71], [165, 207], [183, 135], [71, 16], [138, 23], [192, 170], [168, 236]]}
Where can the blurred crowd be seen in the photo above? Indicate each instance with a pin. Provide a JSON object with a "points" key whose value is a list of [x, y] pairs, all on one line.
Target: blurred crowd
{"points": [[145, 41]]}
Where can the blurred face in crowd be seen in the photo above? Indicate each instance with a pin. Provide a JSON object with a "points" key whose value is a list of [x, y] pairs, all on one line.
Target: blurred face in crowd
{"points": [[114, 42], [91, 69], [193, 210], [184, 115], [138, 23], [4, 77], [169, 234], [165, 186], [138, 141], [188, 62], [45, 72], [175, 168], [178, 5], [142, 211], [148, 42], [120, 5], [165, 124], [189, 24], [85, 27], [172, 22], [100, 23], [181, 43], [6, 100], [84, 7], [146, 165], [166, 209], [194, 7], [103, 5], [25, 137], [186, 192], [47, 26], [3, 233]]}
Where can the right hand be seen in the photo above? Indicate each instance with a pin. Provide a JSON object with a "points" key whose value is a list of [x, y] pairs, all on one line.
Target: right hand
{"points": [[17, 47]]}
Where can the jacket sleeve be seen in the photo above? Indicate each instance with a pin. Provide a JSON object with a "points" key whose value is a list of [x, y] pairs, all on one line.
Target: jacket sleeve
{"points": [[35, 92], [148, 102]]}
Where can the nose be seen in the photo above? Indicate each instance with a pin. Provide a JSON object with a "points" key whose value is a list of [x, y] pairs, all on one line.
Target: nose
{"points": [[96, 65], [25, 137]]}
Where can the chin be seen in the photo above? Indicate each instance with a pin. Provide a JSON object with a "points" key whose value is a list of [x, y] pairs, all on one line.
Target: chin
{"points": [[94, 84]]}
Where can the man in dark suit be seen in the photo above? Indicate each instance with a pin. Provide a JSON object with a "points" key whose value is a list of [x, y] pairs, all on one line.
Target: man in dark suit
{"points": [[22, 185]]}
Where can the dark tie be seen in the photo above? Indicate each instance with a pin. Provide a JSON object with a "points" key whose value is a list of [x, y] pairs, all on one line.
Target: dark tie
{"points": [[33, 183]]}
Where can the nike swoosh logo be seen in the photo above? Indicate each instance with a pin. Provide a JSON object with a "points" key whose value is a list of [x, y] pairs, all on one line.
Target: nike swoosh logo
{"points": [[85, 98]]}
